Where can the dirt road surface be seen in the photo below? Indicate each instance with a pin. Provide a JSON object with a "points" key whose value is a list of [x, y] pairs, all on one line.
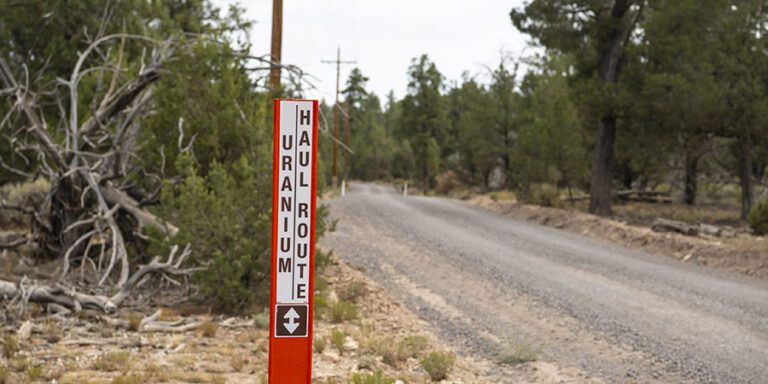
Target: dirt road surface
{"points": [[487, 283]]}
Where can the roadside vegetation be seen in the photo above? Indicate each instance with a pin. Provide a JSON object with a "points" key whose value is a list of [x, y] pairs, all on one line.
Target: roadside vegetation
{"points": [[177, 194], [680, 122], [519, 352]]}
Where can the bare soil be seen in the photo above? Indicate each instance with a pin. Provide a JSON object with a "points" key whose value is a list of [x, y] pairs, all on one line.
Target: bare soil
{"points": [[742, 253], [97, 348]]}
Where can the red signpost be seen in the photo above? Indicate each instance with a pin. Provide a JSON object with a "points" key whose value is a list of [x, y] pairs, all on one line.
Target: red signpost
{"points": [[293, 241]]}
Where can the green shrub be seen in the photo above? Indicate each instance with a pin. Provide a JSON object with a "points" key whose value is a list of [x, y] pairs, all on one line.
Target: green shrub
{"points": [[353, 291], [438, 365], [337, 340], [261, 320], [393, 353], [35, 372], [4, 375], [225, 216], [321, 305], [30, 194], [342, 311], [388, 353], [226, 219], [758, 218], [518, 354], [412, 346], [546, 195], [366, 362], [371, 378]]}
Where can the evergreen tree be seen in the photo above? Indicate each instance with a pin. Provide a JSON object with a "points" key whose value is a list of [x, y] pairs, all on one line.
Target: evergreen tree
{"points": [[424, 116], [550, 145], [598, 33]]}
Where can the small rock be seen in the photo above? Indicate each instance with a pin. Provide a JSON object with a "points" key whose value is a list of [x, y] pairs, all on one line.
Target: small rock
{"points": [[25, 331], [350, 344]]}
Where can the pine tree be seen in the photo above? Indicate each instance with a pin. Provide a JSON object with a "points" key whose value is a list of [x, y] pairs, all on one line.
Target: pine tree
{"points": [[424, 115]]}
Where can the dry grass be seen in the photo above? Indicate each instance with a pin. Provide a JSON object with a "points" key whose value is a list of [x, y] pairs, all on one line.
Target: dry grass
{"points": [[197, 377], [168, 314], [353, 292], [518, 353], [134, 321], [5, 376], [342, 311], [238, 362], [18, 193], [438, 365], [10, 346], [208, 328], [394, 353], [24, 194], [156, 374], [113, 362], [234, 354], [645, 213], [51, 331], [504, 195], [319, 344], [35, 372], [128, 378], [337, 340]]}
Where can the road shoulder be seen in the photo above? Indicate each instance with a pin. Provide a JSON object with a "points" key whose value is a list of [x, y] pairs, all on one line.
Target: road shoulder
{"points": [[717, 253]]}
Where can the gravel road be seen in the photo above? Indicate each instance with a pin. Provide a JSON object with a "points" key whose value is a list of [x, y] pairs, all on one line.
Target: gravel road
{"points": [[489, 284]]}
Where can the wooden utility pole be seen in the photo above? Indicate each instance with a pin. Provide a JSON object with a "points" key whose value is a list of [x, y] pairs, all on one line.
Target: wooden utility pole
{"points": [[338, 62], [347, 164], [277, 44]]}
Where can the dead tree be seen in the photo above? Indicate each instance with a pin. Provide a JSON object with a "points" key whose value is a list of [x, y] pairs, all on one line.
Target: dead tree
{"points": [[67, 298], [89, 163]]}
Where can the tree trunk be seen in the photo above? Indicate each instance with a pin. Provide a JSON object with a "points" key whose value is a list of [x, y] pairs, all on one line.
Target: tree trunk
{"points": [[65, 211], [601, 180], [627, 174], [745, 175], [426, 167], [506, 158], [691, 178], [612, 38]]}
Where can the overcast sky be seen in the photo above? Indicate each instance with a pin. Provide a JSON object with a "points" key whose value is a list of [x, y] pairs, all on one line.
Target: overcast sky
{"points": [[383, 37]]}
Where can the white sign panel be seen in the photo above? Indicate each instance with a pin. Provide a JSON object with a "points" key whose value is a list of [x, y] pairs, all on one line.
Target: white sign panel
{"points": [[294, 190]]}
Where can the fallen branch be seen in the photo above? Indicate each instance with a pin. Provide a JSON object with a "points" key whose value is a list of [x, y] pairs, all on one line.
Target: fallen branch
{"points": [[233, 323], [70, 299], [632, 195], [153, 324], [87, 342], [666, 225], [13, 244], [154, 327]]}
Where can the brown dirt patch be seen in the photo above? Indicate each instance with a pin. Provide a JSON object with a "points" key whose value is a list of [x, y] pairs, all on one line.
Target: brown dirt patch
{"points": [[743, 253]]}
